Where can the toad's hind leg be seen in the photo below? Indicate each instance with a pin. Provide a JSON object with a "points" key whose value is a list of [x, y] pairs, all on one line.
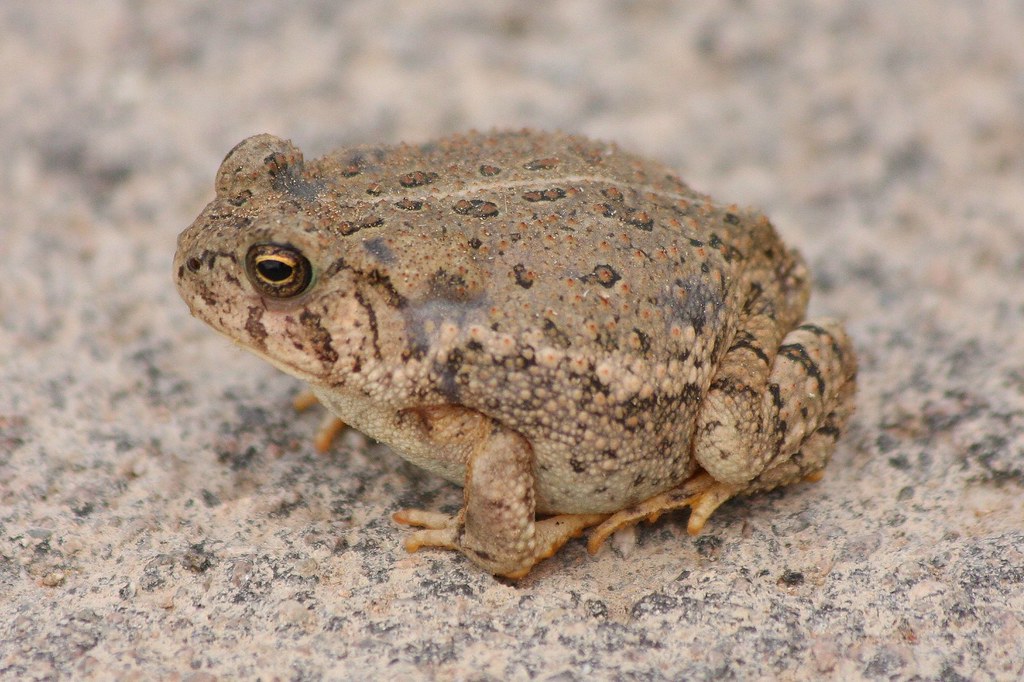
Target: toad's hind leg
{"points": [[760, 430], [749, 441], [757, 431], [496, 528]]}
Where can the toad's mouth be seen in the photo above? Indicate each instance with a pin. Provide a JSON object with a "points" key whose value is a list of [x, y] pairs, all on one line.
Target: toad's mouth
{"points": [[290, 368]]}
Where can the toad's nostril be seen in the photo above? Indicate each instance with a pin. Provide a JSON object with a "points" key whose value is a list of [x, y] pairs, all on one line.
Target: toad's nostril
{"points": [[193, 264]]}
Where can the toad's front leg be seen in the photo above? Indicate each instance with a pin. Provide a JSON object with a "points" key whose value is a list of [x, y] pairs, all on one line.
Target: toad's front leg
{"points": [[496, 527]]}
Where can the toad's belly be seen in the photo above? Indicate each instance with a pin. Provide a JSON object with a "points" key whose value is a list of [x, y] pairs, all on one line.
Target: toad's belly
{"points": [[604, 482]]}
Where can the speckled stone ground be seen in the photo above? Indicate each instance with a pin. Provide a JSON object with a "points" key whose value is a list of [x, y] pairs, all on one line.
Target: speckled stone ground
{"points": [[163, 514]]}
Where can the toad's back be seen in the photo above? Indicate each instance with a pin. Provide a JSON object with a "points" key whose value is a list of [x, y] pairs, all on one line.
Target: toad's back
{"points": [[591, 246]]}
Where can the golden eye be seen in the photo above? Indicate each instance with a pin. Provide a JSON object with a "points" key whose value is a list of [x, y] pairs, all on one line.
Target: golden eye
{"points": [[278, 270]]}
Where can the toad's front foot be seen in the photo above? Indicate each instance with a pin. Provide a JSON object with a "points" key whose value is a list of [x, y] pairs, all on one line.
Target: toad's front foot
{"points": [[330, 426], [449, 532]]}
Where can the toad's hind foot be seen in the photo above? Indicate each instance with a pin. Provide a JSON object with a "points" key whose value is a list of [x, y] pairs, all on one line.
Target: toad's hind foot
{"points": [[330, 426], [701, 493], [447, 532]]}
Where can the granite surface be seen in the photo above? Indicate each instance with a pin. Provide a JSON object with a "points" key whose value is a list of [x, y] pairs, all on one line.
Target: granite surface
{"points": [[163, 514]]}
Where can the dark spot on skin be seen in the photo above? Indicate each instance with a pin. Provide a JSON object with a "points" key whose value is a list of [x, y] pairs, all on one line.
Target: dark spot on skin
{"points": [[355, 166], [371, 317], [240, 198], [319, 337], [819, 331], [336, 267], [733, 387], [276, 163], [209, 258], [448, 385], [254, 325], [635, 411], [553, 194], [375, 190], [732, 219], [694, 301], [524, 277], [747, 341], [797, 353], [556, 336], [633, 217], [474, 346], [286, 176], [731, 253], [605, 275], [753, 297], [591, 385], [382, 284], [691, 394], [475, 243], [378, 248], [644, 339], [828, 430], [541, 164], [414, 351], [489, 171], [607, 340], [612, 194], [347, 227], [409, 204], [781, 427], [577, 466], [417, 179], [476, 208], [696, 243], [519, 363], [449, 286], [641, 220]]}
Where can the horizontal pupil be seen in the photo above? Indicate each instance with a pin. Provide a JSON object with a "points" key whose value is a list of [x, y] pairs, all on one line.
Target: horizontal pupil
{"points": [[274, 270]]}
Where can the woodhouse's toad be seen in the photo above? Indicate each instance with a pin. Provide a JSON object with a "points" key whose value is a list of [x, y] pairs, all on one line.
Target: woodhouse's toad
{"points": [[565, 329]]}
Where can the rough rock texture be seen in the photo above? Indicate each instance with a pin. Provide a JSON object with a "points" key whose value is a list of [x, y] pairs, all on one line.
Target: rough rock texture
{"points": [[163, 513]]}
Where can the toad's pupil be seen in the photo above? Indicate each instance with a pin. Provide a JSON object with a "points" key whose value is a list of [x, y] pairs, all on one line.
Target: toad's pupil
{"points": [[275, 270]]}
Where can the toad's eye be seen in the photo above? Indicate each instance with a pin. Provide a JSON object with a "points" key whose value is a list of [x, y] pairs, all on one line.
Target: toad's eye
{"points": [[278, 270]]}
